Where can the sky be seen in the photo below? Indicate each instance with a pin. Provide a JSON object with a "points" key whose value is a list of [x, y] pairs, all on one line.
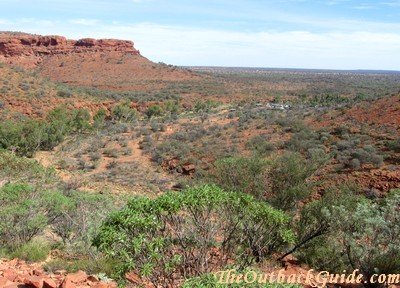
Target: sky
{"points": [[332, 34]]}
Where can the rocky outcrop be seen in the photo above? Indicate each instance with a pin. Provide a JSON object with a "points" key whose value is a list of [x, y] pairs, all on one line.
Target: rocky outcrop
{"points": [[17, 273], [29, 50]]}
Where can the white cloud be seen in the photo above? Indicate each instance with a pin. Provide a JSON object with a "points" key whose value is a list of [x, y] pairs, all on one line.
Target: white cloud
{"points": [[193, 46], [395, 3], [86, 22]]}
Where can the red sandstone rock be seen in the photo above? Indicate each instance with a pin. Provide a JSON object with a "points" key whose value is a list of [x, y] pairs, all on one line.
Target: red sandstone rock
{"points": [[49, 283], [100, 285], [28, 50], [3, 281], [10, 274], [77, 277], [37, 272], [33, 276], [13, 285], [34, 281], [67, 284], [133, 278]]}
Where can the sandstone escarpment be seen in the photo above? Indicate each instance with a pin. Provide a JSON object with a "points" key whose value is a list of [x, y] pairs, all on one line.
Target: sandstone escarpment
{"points": [[29, 50]]}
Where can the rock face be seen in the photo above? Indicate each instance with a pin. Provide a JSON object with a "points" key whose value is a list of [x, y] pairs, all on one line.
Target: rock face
{"points": [[17, 273], [29, 50]]}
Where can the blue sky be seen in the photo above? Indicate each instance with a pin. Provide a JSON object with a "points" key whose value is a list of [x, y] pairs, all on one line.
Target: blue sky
{"points": [[335, 34]]}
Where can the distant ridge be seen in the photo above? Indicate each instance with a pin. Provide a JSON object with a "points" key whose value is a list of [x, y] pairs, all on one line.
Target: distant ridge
{"points": [[301, 70]]}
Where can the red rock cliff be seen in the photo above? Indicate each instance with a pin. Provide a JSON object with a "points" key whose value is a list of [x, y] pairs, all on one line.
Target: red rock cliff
{"points": [[28, 50]]}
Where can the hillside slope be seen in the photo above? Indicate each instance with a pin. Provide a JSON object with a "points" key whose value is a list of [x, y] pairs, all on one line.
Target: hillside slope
{"points": [[104, 63]]}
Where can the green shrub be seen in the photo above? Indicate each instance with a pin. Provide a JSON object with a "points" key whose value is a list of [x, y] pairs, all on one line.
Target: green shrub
{"points": [[358, 234], [172, 234], [204, 106], [368, 235], [99, 118], [287, 180], [394, 145], [79, 221], [124, 113], [260, 145], [25, 212], [169, 149], [242, 174], [26, 136], [314, 229], [34, 251], [64, 92], [154, 111], [20, 169], [304, 140], [80, 120], [172, 107], [92, 265], [352, 156]]}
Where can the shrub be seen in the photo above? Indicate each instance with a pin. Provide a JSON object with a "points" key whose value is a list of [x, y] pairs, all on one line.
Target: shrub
{"points": [[25, 212], [350, 156], [172, 107], [64, 92], [99, 118], [358, 234], [394, 145], [260, 145], [34, 251], [246, 175], [287, 180], [78, 222], [304, 140], [111, 152], [205, 105], [56, 128], [169, 150], [314, 229], [171, 236], [80, 120], [124, 113], [26, 136], [93, 265], [19, 169], [368, 235], [154, 111]]}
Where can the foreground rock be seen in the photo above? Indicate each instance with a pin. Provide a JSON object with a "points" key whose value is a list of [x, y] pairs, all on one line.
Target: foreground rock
{"points": [[17, 273]]}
